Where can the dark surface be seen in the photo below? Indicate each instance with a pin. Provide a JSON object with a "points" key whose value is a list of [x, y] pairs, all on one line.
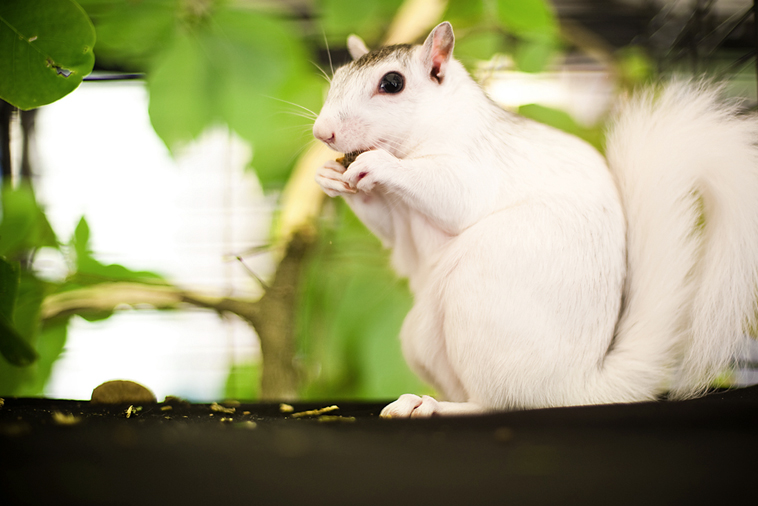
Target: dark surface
{"points": [[702, 451]]}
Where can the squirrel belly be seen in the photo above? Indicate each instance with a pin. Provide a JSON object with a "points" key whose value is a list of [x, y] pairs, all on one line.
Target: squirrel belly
{"points": [[543, 275]]}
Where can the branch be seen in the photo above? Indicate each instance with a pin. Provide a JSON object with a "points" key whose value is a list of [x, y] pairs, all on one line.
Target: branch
{"points": [[272, 316], [110, 296]]}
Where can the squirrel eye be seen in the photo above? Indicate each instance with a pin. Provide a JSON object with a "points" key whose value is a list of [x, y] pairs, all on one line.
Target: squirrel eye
{"points": [[392, 82]]}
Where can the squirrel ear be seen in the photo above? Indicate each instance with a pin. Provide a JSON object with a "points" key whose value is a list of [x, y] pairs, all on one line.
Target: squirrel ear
{"points": [[356, 47], [438, 49]]}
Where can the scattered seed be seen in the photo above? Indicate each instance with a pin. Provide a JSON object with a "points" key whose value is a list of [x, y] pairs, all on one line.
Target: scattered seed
{"points": [[65, 418], [315, 412], [218, 407], [333, 418]]}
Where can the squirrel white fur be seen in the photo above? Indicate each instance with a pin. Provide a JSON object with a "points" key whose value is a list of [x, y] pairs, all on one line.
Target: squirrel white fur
{"points": [[540, 277]]}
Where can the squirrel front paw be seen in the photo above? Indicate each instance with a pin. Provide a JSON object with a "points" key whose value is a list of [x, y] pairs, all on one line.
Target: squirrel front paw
{"points": [[369, 168], [331, 179]]}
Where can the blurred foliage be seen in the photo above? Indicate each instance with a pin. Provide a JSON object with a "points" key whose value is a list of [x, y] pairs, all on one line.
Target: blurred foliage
{"points": [[634, 67], [534, 23], [23, 224], [339, 18], [248, 65], [563, 121], [12, 344], [526, 29], [352, 308], [242, 382], [89, 271], [47, 47], [28, 345], [23, 227], [210, 62]]}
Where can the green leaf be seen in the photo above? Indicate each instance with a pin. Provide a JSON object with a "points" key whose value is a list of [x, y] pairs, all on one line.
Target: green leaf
{"points": [[90, 271], [241, 69], [562, 121], [45, 50], [8, 288], [13, 346], [464, 13], [80, 240], [265, 106], [50, 342], [24, 225], [236, 66], [30, 381], [18, 218], [479, 46], [533, 54], [183, 74], [527, 17], [26, 314], [635, 66], [369, 18], [130, 33], [535, 25]]}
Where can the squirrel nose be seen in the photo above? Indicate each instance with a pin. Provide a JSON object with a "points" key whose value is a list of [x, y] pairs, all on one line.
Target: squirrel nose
{"points": [[323, 134]]}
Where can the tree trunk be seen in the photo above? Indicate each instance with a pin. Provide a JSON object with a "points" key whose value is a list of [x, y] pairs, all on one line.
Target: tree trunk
{"points": [[275, 323]]}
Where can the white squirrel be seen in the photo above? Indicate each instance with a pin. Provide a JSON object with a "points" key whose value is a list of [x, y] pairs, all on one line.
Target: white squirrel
{"points": [[540, 277]]}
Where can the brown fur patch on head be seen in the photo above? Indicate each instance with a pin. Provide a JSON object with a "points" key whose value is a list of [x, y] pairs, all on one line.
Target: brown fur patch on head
{"points": [[377, 55]]}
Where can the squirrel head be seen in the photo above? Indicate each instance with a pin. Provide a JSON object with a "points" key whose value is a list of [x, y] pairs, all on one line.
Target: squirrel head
{"points": [[383, 98]]}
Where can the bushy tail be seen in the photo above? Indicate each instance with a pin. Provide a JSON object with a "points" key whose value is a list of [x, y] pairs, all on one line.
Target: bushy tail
{"points": [[686, 165]]}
